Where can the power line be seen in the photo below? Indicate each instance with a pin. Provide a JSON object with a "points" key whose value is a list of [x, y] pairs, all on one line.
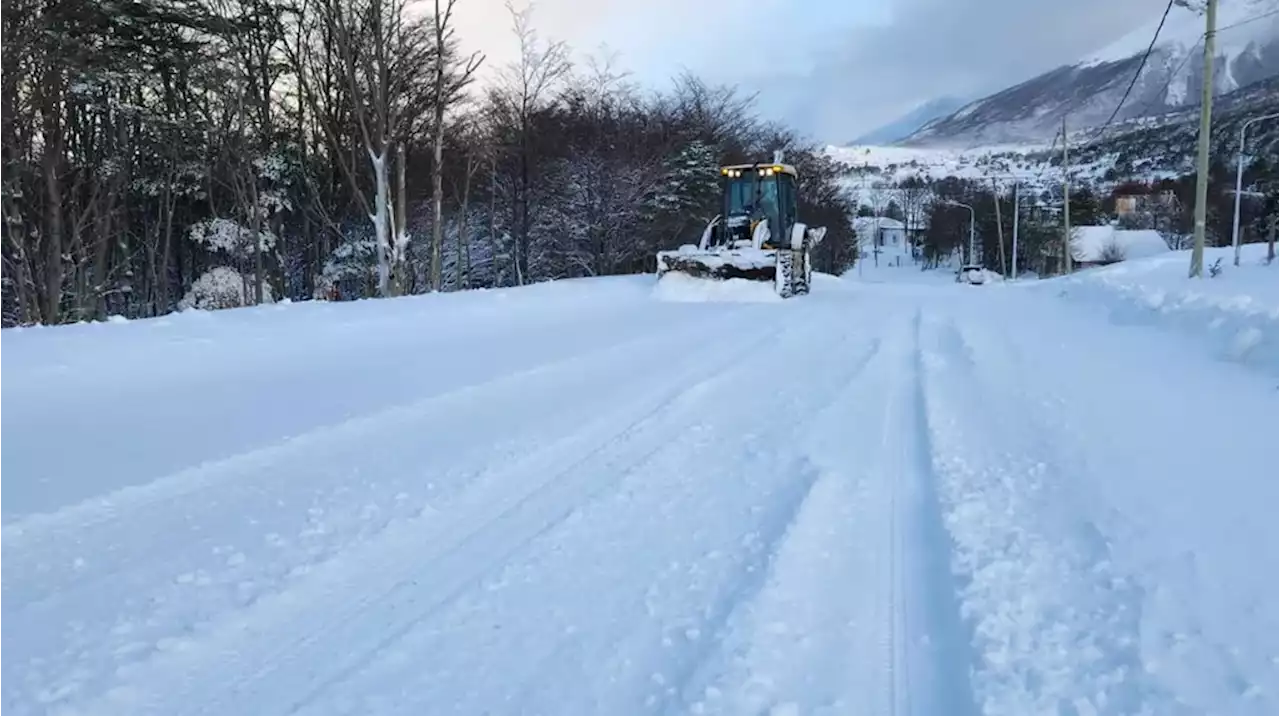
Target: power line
{"points": [[1136, 74], [1248, 20], [1152, 98], [1186, 57]]}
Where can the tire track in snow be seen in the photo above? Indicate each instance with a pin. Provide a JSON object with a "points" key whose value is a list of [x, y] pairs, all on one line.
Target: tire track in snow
{"points": [[356, 595], [117, 505], [942, 646], [535, 679], [797, 518], [282, 529], [1194, 621], [36, 543], [1054, 628], [856, 614]]}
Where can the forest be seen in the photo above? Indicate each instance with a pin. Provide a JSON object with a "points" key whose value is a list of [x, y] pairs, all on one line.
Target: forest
{"points": [[161, 155]]}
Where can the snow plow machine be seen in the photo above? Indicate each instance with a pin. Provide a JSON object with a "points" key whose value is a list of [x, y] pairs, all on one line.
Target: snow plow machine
{"points": [[757, 236]]}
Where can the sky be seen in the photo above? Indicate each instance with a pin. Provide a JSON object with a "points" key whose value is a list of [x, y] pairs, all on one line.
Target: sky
{"points": [[832, 69]]}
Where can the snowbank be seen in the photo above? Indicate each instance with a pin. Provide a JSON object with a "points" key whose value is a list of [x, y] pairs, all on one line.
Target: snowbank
{"points": [[682, 288], [1090, 244], [1235, 311]]}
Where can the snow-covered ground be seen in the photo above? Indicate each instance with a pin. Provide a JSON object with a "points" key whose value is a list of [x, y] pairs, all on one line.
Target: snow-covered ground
{"points": [[898, 163], [1028, 163], [897, 494], [1232, 315]]}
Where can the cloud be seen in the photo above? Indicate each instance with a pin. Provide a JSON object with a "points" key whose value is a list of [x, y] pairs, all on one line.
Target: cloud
{"points": [[831, 68], [933, 48]]}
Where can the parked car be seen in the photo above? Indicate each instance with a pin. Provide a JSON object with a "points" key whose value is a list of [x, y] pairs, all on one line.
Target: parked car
{"points": [[972, 275]]}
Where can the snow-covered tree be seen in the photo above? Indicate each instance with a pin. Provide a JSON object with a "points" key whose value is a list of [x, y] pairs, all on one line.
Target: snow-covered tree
{"points": [[221, 287]]}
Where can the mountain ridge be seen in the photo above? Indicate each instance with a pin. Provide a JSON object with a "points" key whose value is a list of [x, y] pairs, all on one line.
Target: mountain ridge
{"points": [[1088, 91]]}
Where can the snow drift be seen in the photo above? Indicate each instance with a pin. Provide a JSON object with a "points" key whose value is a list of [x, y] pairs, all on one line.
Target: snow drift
{"points": [[681, 288], [1234, 312]]}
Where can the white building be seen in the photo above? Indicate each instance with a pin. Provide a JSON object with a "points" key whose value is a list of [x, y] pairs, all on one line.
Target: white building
{"points": [[880, 232]]}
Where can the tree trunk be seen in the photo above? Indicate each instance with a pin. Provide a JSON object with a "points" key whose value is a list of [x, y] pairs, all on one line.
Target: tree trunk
{"points": [[437, 193], [437, 152], [53, 223], [1271, 242], [402, 225], [27, 309], [380, 221], [464, 245], [522, 244], [258, 273], [999, 226], [493, 209]]}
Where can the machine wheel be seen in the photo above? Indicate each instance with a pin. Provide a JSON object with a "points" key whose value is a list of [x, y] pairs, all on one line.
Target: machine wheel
{"points": [[805, 278], [785, 275]]}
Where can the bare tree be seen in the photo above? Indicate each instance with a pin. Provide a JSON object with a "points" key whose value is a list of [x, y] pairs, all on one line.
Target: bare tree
{"points": [[912, 193], [449, 81], [382, 56], [526, 85]]}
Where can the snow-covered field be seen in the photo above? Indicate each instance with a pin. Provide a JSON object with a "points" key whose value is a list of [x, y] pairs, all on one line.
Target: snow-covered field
{"points": [[898, 163], [897, 494], [889, 165]]}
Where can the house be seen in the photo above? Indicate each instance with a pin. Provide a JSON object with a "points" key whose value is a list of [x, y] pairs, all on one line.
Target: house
{"points": [[1107, 244], [880, 231], [883, 241], [1135, 205]]}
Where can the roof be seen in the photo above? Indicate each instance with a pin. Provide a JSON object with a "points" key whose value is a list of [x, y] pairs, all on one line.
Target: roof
{"points": [[1088, 243], [871, 222]]}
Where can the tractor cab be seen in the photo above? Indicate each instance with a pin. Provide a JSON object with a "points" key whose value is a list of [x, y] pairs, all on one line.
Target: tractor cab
{"points": [[755, 193]]}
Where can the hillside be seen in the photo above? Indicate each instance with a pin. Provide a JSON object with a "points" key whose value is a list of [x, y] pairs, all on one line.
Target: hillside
{"points": [[904, 126], [1247, 49]]}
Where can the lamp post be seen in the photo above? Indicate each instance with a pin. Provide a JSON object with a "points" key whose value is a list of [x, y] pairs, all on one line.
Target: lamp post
{"points": [[1016, 183], [971, 223], [1235, 220]]}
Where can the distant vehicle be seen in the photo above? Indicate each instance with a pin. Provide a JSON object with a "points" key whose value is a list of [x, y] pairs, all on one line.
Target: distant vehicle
{"points": [[972, 275]]}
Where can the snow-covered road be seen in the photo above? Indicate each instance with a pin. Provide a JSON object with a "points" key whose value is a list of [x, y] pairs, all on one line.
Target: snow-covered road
{"points": [[882, 498]]}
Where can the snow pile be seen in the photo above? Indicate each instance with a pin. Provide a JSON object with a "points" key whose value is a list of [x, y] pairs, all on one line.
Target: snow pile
{"points": [[981, 276], [683, 288], [743, 258], [1098, 243], [1236, 310]]}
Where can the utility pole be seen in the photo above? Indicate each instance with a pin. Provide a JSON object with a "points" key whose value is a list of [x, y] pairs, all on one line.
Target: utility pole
{"points": [[1015, 230], [1066, 202], [1202, 158], [995, 193]]}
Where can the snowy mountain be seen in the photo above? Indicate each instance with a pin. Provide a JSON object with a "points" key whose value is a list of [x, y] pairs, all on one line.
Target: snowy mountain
{"points": [[904, 126], [1088, 91]]}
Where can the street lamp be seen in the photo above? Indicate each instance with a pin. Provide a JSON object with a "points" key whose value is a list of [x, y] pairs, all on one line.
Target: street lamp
{"points": [[1235, 220], [971, 222]]}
